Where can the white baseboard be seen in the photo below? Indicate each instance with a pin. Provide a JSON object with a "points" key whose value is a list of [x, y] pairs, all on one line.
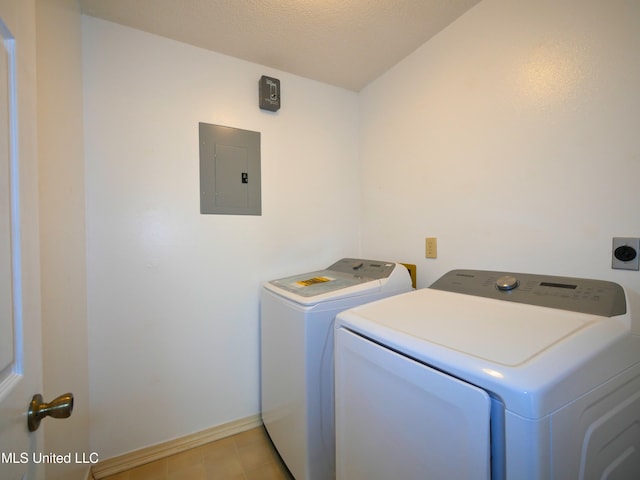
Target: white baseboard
{"points": [[114, 465]]}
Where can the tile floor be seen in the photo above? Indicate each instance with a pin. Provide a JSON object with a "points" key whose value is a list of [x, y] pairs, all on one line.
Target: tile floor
{"points": [[245, 456]]}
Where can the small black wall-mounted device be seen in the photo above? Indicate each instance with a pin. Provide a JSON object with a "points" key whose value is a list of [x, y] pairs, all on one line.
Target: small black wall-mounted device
{"points": [[269, 93]]}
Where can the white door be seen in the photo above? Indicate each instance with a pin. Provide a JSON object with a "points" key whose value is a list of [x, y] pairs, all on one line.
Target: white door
{"points": [[20, 345], [398, 418]]}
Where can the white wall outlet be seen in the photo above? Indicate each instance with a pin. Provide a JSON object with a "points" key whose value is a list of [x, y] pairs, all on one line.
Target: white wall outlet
{"points": [[625, 253]]}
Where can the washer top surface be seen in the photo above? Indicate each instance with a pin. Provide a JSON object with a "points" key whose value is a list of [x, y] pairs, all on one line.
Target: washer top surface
{"points": [[347, 277]]}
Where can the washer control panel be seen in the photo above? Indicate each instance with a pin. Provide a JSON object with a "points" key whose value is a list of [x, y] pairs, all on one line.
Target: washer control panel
{"points": [[345, 273], [372, 269], [595, 297]]}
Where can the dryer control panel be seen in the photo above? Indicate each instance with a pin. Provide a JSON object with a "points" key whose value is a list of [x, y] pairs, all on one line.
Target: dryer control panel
{"points": [[595, 297]]}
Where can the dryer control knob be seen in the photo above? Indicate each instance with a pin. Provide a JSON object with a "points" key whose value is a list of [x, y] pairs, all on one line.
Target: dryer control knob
{"points": [[506, 283]]}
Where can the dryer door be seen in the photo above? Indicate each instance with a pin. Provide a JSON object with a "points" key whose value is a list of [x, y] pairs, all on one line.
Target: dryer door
{"points": [[398, 418]]}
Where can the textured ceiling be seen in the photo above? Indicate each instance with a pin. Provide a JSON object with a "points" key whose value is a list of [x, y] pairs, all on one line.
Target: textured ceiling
{"points": [[347, 43]]}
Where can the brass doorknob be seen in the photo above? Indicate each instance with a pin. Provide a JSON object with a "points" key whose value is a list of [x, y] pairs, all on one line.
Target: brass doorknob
{"points": [[60, 407]]}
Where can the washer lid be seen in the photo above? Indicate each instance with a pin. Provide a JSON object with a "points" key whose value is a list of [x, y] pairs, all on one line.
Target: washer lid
{"points": [[318, 283]]}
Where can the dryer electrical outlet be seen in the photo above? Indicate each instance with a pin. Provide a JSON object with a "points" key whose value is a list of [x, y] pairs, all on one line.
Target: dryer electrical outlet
{"points": [[625, 253]]}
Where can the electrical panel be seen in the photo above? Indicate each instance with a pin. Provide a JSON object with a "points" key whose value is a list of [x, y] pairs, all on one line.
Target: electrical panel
{"points": [[230, 181]]}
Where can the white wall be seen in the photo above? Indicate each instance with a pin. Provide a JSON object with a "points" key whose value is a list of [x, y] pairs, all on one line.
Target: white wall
{"points": [[62, 228], [512, 137], [173, 294]]}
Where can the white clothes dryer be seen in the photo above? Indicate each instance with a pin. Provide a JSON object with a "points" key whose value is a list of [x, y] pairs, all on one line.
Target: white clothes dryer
{"points": [[487, 375], [297, 315]]}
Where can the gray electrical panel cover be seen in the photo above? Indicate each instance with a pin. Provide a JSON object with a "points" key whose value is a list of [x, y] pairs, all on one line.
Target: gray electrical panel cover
{"points": [[229, 171]]}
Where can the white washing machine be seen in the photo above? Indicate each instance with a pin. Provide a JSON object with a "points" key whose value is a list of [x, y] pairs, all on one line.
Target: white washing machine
{"points": [[297, 315], [487, 375]]}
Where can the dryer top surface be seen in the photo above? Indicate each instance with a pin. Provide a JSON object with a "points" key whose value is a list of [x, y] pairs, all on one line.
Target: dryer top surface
{"points": [[534, 357]]}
